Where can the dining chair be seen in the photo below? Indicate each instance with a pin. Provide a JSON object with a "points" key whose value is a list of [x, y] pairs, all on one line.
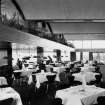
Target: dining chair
{"points": [[6, 101], [101, 100], [98, 80], [71, 80], [57, 101]]}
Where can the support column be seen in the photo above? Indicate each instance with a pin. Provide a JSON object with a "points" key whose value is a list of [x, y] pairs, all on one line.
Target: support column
{"points": [[90, 56], [73, 56], [58, 54], [6, 61], [81, 55], [40, 52], [6, 54], [9, 52]]}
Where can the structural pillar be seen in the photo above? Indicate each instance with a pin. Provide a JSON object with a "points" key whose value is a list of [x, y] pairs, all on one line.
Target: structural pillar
{"points": [[58, 54], [6, 61], [90, 56], [40, 52], [73, 56], [81, 56]]}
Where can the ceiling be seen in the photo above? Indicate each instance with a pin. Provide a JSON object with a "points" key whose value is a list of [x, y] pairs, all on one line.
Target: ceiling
{"points": [[63, 9], [76, 19]]}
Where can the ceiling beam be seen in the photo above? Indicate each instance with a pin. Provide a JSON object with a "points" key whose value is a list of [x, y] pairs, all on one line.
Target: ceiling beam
{"points": [[92, 20], [18, 8], [85, 37], [50, 28], [78, 27]]}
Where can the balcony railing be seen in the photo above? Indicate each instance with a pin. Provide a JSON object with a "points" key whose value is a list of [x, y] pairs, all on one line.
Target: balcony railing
{"points": [[37, 31]]}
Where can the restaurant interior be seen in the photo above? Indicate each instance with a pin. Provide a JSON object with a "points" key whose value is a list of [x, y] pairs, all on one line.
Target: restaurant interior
{"points": [[52, 52]]}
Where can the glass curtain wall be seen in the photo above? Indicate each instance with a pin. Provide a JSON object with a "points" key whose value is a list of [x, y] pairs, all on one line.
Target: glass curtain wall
{"points": [[100, 57], [90, 44], [21, 50]]}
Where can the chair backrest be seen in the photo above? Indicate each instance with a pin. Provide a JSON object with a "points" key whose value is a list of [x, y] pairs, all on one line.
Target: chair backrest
{"points": [[57, 101], [71, 78], [17, 75], [51, 78], [98, 78], [34, 78], [101, 100], [6, 101]]}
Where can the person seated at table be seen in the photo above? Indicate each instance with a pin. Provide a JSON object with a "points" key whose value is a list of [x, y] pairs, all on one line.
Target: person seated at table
{"points": [[42, 66], [19, 63]]}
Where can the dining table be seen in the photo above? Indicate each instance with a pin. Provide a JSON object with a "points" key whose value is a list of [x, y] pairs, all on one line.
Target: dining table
{"points": [[42, 77], [59, 69], [85, 76], [88, 68], [3, 81], [9, 92], [79, 95]]}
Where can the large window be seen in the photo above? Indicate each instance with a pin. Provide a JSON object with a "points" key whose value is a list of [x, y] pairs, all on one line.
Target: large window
{"points": [[100, 57], [77, 44], [78, 56], [98, 44], [88, 44], [85, 56], [21, 50]]}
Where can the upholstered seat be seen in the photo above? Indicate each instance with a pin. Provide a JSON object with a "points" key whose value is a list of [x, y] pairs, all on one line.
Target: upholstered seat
{"points": [[51, 78], [6, 101], [57, 101], [101, 100]]}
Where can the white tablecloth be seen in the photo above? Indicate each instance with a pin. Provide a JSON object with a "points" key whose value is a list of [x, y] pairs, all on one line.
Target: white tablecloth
{"points": [[76, 96], [87, 76], [59, 69], [3, 81], [9, 92], [25, 71], [88, 68], [40, 78]]}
